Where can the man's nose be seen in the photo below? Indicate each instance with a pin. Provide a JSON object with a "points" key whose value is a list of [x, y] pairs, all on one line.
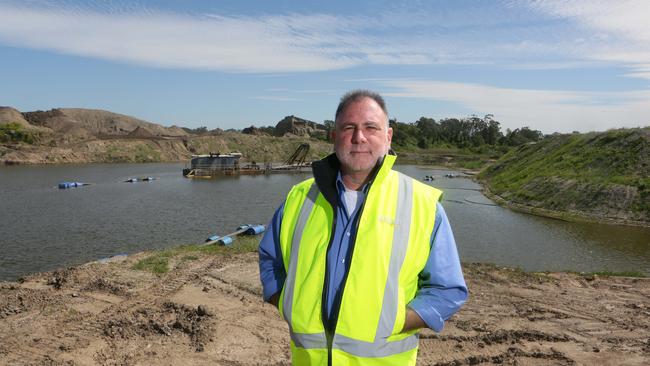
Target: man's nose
{"points": [[358, 137]]}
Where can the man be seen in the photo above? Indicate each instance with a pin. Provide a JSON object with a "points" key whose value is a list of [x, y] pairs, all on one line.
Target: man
{"points": [[360, 257]]}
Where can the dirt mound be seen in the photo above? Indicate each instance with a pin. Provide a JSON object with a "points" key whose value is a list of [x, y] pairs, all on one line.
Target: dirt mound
{"points": [[296, 126], [16, 300], [140, 132], [169, 320], [103, 285], [84, 123], [104, 122], [11, 115]]}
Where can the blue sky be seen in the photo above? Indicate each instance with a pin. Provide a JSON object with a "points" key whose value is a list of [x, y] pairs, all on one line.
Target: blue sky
{"points": [[552, 65]]}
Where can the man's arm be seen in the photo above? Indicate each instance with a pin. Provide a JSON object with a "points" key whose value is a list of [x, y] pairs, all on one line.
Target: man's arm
{"points": [[441, 286], [272, 272], [412, 321]]}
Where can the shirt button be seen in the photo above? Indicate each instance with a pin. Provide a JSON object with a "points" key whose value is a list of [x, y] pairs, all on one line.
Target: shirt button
{"points": [[348, 233], [343, 260]]}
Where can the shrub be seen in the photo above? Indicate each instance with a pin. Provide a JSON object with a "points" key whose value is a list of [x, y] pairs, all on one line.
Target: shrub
{"points": [[14, 132]]}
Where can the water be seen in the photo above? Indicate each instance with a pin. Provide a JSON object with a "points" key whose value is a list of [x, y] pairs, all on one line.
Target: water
{"points": [[43, 228]]}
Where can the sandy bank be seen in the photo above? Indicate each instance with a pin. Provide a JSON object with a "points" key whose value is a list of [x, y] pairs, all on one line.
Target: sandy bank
{"points": [[208, 310]]}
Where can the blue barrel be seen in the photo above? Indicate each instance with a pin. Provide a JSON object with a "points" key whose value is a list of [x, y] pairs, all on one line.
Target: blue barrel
{"points": [[65, 185], [212, 238], [255, 229], [226, 240]]}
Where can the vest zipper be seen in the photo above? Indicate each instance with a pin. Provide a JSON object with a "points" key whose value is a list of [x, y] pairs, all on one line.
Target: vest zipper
{"points": [[353, 240], [336, 311], [330, 324]]}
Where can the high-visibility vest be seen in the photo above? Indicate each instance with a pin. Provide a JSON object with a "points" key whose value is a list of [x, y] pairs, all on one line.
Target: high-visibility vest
{"points": [[390, 249]]}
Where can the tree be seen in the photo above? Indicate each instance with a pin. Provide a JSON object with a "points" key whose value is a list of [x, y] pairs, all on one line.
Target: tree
{"points": [[520, 136]]}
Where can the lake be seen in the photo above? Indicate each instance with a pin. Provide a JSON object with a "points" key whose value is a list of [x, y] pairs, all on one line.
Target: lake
{"points": [[44, 228]]}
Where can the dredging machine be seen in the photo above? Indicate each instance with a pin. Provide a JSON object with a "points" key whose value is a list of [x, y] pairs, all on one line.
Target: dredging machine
{"points": [[213, 165]]}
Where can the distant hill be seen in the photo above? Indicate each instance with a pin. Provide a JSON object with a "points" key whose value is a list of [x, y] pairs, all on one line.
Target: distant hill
{"points": [[84, 123], [11, 115], [593, 176], [74, 135]]}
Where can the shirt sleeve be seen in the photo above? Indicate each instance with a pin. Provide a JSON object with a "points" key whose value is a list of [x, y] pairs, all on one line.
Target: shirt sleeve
{"points": [[272, 272], [441, 286]]}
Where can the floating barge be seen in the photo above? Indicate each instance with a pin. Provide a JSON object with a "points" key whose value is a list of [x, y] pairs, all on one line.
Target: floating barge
{"points": [[215, 165]]}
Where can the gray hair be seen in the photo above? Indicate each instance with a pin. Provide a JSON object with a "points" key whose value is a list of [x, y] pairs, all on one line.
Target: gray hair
{"points": [[355, 95]]}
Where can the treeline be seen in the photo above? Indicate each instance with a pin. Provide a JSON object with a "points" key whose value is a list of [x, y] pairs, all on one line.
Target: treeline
{"points": [[473, 132], [469, 132]]}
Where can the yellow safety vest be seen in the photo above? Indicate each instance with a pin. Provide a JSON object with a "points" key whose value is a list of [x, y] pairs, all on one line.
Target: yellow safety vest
{"points": [[391, 248]]}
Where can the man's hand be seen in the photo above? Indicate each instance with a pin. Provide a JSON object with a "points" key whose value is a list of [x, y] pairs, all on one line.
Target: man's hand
{"points": [[412, 321]]}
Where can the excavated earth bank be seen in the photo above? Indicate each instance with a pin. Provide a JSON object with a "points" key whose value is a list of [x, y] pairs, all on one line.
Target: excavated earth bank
{"points": [[208, 310]]}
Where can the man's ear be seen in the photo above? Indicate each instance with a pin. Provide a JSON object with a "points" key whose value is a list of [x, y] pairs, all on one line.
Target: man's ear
{"points": [[332, 135]]}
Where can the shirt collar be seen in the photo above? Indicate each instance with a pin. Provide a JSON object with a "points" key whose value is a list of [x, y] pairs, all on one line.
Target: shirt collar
{"points": [[341, 187]]}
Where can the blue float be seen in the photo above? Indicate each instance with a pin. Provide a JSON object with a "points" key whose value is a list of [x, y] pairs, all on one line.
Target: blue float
{"points": [[255, 229], [212, 238], [226, 240], [248, 229], [66, 185], [141, 179]]}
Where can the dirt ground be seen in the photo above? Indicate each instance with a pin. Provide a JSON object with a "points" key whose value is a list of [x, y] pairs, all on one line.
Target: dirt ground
{"points": [[208, 310]]}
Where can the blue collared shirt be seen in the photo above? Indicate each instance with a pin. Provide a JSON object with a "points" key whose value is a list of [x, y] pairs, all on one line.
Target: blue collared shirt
{"points": [[441, 286]]}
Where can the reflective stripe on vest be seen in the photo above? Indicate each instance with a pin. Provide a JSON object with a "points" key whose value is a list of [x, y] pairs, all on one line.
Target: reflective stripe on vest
{"points": [[307, 341], [380, 347]]}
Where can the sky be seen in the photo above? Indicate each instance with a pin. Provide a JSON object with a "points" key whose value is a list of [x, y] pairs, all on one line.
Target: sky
{"points": [[551, 65]]}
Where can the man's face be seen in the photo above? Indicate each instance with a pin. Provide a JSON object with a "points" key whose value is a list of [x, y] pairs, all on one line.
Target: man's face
{"points": [[361, 136]]}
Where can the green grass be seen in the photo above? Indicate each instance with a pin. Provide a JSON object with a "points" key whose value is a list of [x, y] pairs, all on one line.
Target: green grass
{"points": [[114, 155], [584, 172], [14, 132], [159, 262], [471, 164], [146, 154]]}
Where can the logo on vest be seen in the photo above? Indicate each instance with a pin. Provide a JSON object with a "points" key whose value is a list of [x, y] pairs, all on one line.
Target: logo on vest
{"points": [[386, 219]]}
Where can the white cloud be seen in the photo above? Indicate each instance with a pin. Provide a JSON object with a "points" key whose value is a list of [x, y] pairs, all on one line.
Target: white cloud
{"points": [[628, 18], [405, 34], [262, 44], [615, 31], [241, 44], [546, 110], [589, 33]]}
